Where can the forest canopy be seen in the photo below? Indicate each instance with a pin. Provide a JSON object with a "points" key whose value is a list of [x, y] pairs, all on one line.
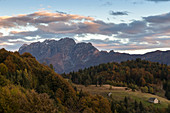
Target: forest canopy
{"points": [[137, 74], [28, 86]]}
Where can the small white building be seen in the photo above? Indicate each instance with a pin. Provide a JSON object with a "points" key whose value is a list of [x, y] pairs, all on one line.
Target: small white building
{"points": [[109, 94], [153, 100]]}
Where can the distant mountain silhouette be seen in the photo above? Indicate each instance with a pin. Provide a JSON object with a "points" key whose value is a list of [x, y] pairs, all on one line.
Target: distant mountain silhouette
{"points": [[66, 55]]}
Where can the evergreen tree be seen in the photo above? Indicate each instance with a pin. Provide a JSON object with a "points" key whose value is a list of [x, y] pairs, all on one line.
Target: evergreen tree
{"points": [[136, 105], [115, 111], [51, 66], [126, 102], [101, 81], [141, 106]]}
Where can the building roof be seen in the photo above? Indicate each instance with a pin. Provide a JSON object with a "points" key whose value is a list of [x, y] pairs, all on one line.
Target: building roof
{"points": [[152, 99]]}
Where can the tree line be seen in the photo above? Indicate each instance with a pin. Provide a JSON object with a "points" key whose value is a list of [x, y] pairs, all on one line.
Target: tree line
{"points": [[136, 74]]}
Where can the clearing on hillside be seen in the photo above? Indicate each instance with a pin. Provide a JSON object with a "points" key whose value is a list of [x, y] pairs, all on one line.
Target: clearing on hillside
{"points": [[118, 93]]}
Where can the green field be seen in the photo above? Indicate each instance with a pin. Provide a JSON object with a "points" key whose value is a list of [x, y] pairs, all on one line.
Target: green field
{"points": [[118, 93]]}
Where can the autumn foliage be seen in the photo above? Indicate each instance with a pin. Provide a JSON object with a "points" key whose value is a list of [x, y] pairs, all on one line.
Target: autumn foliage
{"points": [[28, 86]]}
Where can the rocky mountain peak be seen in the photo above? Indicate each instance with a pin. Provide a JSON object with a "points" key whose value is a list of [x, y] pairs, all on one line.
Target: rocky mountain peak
{"points": [[67, 41], [66, 55], [23, 46]]}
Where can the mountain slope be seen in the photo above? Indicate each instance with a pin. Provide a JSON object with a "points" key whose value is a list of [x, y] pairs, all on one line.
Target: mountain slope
{"points": [[136, 74], [28, 86], [67, 56]]}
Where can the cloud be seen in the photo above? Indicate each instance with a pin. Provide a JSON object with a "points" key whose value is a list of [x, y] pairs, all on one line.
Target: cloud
{"points": [[164, 18], [39, 17], [118, 13], [1, 34], [61, 12], [148, 33], [159, 0], [132, 28], [107, 4]]}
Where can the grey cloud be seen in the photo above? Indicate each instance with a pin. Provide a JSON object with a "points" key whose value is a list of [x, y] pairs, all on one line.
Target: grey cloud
{"points": [[61, 12], [118, 13], [107, 4], [164, 18], [133, 28], [58, 28], [159, 0], [105, 41]]}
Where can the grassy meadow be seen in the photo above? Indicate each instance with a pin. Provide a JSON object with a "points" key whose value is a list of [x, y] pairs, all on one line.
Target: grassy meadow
{"points": [[118, 93]]}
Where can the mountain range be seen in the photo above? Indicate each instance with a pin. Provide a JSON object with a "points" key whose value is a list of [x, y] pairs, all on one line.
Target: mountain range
{"points": [[66, 55]]}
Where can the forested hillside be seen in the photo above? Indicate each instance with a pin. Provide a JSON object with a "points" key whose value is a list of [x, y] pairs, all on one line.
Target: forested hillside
{"points": [[136, 74], [28, 86]]}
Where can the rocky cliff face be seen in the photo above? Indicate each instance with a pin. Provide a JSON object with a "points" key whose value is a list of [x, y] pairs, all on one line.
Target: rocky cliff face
{"points": [[66, 55]]}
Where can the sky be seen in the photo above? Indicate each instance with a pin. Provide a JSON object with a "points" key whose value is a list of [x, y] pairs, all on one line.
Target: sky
{"points": [[129, 26]]}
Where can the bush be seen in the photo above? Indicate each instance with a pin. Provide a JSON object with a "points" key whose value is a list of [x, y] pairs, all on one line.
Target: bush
{"points": [[144, 89]]}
